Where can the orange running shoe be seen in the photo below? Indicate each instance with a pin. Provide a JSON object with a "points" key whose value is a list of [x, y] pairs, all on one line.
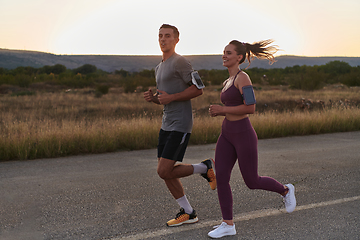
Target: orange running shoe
{"points": [[210, 174], [183, 218]]}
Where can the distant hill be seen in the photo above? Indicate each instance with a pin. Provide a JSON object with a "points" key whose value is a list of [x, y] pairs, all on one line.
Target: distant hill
{"points": [[11, 59]]}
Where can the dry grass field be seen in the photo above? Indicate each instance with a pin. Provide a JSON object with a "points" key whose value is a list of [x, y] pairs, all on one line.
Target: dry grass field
{"points": [[62, 123]]}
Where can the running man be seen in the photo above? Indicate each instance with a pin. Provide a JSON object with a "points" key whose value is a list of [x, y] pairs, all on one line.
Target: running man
{"points": [[175, 90]]}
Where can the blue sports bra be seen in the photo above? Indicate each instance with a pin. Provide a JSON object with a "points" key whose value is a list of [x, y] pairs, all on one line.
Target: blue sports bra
{"points": [[232, 95]]}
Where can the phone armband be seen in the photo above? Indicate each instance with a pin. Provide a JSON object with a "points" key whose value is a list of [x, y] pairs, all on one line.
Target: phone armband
{"points": [[248, 95], [196, 80]]}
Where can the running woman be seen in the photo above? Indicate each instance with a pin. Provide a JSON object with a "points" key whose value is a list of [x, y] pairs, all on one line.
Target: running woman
{"points": [[238, 139]]}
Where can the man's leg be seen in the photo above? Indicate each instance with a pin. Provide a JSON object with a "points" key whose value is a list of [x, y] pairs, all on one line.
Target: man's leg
{"points": [[171, 149], [171, 173], [167, 170]]}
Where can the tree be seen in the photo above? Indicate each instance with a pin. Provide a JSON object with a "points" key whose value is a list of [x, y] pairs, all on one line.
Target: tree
{"points": [[336, 68], [147, 73], [58, 68], [24, 70], [85, 69], [122, 72]]}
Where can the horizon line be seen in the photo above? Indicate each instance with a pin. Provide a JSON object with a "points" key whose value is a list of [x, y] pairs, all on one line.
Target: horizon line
{"points": [[159, 55]]}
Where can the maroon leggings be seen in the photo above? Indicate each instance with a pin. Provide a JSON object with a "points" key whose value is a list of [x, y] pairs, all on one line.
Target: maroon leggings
{"points": [[238, 140]]}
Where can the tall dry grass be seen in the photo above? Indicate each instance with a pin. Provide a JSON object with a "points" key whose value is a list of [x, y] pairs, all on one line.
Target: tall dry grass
{"points": [[25, 140], [276, 124], [49, 125]]}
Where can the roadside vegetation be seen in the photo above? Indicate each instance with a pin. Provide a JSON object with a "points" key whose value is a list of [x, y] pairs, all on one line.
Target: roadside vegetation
{"points": [[308, 78], [46, 114]]}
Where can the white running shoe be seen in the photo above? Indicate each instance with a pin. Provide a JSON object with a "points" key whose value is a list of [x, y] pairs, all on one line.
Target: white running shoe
{"points": [[222, 230], [289, 199]]}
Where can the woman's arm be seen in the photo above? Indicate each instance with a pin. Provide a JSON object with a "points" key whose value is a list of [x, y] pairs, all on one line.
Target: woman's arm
{"points": [[217, 110]]}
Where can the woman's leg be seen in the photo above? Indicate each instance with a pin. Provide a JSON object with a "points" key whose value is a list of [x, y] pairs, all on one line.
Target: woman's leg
{"points": [[247, 153], [225, 158]]}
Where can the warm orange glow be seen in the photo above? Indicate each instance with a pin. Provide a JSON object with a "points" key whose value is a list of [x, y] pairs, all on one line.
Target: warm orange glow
{"points": [[122, 27]]}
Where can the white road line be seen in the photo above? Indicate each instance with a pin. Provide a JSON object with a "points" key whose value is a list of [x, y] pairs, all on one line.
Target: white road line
{"points": [[237, 218]]}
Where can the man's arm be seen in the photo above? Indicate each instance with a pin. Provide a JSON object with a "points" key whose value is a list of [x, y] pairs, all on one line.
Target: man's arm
{"points": [[189, 93]]}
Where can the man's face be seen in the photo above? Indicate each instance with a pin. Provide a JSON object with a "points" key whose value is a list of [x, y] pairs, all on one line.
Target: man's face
{"points": [[167, 40]]}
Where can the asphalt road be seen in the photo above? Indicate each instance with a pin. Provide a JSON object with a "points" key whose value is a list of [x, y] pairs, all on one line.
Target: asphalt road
{"points": [[119, 195]]}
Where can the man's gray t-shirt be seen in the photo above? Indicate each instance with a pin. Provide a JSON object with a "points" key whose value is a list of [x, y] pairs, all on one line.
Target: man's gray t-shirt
{"points": [[173, 76]]}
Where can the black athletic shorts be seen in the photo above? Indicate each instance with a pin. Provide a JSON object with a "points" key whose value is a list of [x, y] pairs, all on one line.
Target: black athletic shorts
{"points": [[172, 144]]}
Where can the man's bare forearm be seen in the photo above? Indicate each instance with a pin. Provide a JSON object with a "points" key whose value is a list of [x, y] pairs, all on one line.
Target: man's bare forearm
{"points": [[189, 93]]}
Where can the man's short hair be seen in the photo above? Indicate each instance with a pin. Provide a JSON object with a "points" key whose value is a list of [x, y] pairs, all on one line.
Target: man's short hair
{"points": [[176, 31]]}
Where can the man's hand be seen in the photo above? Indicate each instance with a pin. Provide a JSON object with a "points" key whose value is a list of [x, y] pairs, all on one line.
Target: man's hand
{"points": [[149, 96], [164, 97], [186, 95]]}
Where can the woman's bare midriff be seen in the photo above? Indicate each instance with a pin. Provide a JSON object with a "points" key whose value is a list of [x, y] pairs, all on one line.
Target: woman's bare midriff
{"points": [[233, 117]]}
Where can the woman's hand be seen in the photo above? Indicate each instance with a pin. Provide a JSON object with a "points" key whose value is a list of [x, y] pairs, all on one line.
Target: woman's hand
{"points": [[216, 110]]}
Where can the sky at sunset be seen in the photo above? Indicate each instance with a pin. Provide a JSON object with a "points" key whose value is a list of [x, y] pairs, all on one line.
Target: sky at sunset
{"points": [[130, 27]]}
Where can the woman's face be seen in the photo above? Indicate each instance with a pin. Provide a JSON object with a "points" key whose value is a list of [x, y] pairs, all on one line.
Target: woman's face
{"points": [[230, 57]]}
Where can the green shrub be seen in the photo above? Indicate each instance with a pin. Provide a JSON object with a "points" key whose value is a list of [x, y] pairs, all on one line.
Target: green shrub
{"points": [[103, 89]]}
